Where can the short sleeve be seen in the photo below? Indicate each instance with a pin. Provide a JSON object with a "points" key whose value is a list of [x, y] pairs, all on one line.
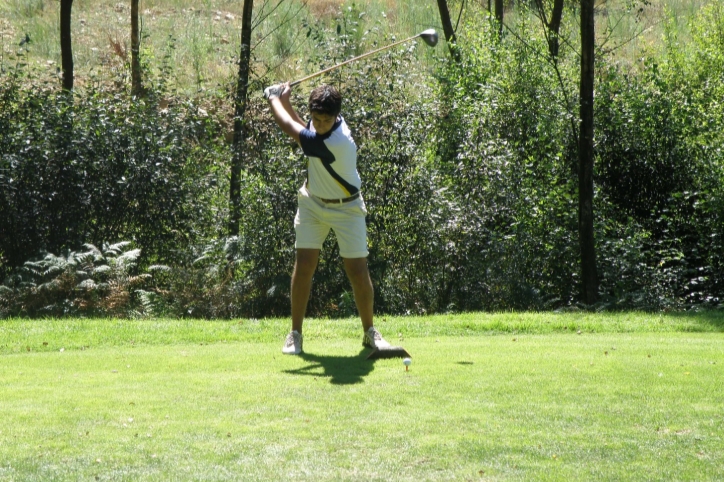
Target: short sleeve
{"points": [[313, 145]]}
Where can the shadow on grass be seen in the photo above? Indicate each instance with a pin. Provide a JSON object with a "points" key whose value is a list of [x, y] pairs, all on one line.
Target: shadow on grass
{"points": [[711, 320], [341, 370]]}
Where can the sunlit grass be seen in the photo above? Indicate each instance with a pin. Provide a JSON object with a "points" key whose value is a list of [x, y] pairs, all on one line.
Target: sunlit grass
{"points": [[50, 335], [202, 40], [488, 397]]}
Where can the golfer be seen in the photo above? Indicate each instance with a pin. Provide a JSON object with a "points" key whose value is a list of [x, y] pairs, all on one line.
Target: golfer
{"points": [[329, 198]]}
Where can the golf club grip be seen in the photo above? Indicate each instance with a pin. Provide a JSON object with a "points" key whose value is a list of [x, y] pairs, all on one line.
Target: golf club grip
{"points": [[322, 72]]}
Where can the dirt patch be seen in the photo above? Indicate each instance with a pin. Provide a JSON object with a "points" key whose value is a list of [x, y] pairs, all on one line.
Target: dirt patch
{"points": [[324, 9], [7, 34]]}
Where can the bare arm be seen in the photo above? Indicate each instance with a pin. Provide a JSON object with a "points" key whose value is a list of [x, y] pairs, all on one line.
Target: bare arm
{"points": [[285, 115], [288, 107]]}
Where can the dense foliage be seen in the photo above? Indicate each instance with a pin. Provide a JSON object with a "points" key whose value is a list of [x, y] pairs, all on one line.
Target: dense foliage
{"points": [[100, 166], [470, 178]]}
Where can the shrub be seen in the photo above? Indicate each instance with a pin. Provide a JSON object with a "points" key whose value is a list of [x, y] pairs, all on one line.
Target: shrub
{"points": [[85, 168], [660, 163], [93, 282], [506, 149]]}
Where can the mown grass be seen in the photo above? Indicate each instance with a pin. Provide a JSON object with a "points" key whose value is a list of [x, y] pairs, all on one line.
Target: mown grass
{"points": [[27, 335], [488, 397]]}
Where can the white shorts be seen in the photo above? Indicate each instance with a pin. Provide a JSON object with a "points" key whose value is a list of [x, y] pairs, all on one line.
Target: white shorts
{"points": [[315, 218]]}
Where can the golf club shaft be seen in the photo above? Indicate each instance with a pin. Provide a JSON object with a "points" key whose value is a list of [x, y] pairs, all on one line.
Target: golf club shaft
{"points": [[322, 72]]}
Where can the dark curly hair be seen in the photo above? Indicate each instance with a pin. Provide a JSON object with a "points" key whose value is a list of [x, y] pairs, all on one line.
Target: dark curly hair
{"points": [[325, 99]]}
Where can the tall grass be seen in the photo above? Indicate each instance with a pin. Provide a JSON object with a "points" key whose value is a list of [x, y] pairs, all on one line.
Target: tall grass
{"points": [[201, 40], [629, 28], [24, 8], [206, 35]]}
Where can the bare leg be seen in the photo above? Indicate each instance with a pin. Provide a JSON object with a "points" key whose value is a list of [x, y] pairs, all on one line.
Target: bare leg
{"points": [[364, 293], [304, 266]]}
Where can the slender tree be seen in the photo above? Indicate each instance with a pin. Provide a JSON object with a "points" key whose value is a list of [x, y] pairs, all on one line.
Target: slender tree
{"points": [[136, 80], [589, 275], [242, 90], [447, 28], [554, 27], [66, 46], [499, 7], [553, 24]]}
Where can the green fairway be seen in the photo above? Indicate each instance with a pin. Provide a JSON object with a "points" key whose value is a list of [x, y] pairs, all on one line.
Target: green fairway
{"points": [[487, 397]]}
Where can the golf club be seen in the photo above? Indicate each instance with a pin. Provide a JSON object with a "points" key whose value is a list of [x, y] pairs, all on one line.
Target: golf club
{"points": [[429, 36], [388, 352]]}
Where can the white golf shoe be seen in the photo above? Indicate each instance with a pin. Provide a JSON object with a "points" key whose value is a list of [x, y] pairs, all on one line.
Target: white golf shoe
{"points": [[293, 344], [373, 339]]}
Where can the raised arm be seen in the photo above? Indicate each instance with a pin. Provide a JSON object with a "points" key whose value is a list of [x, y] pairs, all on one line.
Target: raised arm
{"points": [[284, 114], [286, 94]]}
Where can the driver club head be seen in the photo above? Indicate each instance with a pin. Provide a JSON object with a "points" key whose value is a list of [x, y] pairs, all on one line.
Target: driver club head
{"points": [[429, 36]]}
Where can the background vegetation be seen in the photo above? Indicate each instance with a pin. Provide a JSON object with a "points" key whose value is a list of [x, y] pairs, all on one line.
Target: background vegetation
{"points": [[469, 166]]}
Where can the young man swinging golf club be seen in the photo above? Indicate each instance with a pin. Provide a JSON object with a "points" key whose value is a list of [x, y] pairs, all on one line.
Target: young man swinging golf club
{"points": [[329, 199]]}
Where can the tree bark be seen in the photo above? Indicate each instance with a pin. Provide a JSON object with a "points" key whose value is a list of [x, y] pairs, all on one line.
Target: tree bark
{"points": [[447, 27], [242, 89], [136, 80], [66, 46], [589, 273], [554, 27], [499, 16]]}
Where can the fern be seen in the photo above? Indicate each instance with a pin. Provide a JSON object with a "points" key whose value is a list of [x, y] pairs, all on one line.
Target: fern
{"points": [[152, 304], [91, 282]]}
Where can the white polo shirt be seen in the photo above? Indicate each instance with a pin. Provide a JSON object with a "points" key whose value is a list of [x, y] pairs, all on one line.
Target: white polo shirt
{"points": [[332, 169]]}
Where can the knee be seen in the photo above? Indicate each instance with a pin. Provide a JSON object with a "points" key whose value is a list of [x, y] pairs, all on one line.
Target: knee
{"points": [[357, 272], [304, 266], [304, 269]]}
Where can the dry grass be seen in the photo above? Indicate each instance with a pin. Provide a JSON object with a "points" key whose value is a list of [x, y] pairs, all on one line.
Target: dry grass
{"points": [[201, 41]]}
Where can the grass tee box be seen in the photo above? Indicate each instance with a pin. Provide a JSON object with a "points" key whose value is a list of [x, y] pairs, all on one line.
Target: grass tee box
{"points": [[488, 397]]}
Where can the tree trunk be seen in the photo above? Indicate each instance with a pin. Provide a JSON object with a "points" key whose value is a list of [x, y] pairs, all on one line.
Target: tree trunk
{"points": [[66, 46], [136, 81], [589, 273], [499, 16], [242, 88], [447, 27], [554, 28], [553, 25]]}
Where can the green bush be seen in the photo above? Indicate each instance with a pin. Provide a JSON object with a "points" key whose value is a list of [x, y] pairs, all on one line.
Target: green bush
{"points": [[507, 153], [470, 180], [660, 163], [101, 165]]}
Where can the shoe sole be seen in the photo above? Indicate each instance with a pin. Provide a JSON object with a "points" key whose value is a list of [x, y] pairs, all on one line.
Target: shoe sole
{"points": [[369, 345]]}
